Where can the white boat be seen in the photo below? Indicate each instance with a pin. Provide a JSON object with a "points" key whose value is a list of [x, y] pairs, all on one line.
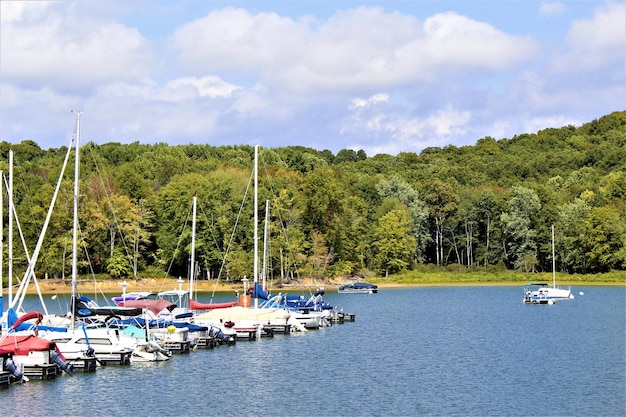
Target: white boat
{"points": [[144, 349], [248, 322], [107, 345], [31, 355], [543, 293]]}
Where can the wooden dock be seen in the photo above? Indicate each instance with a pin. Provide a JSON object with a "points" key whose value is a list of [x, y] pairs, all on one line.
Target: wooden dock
{"points": [[43, 372], [85, 364], [246, 333], [176, 346], [5, 379]]}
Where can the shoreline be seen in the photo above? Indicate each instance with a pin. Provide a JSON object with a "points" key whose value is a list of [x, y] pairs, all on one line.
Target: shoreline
{"points": [[61, 286]]}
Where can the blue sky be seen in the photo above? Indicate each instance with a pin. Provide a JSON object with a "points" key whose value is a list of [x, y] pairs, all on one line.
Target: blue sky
{"points": [[382, 76]]}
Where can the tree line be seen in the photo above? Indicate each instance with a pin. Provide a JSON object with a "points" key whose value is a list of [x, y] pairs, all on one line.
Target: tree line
{"points": [[490, 205]]}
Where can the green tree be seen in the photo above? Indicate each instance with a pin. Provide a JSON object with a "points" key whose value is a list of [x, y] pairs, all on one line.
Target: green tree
{"points": [[603, 239], [395, 245], [518, 223], [398, 188], [442, 202]]}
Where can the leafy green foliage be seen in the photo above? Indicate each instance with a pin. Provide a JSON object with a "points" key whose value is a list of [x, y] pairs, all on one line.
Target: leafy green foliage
{"points": [[485, 207]]}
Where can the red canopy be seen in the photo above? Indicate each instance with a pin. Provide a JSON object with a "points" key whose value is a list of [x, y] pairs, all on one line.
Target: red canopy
{"points": [[194, 305], [22, 344]]}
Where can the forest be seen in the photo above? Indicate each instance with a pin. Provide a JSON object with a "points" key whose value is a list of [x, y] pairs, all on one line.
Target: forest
{"points": [[488, 206]]}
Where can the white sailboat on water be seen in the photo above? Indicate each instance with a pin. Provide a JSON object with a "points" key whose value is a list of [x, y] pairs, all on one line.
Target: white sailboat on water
{"points": [[544, 293]]}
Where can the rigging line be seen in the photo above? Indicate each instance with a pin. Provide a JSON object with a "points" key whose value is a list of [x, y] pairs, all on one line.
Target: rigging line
{"points": [[219, 250], [282, 224], [212, 229], [110, 204], [31, 265], [22, 294], [232, 236], [93, 274], [180, 238]]}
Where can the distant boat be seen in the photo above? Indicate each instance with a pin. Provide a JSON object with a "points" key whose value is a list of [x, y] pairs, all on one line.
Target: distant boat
{"points": [[543, 293], [355, 286]]}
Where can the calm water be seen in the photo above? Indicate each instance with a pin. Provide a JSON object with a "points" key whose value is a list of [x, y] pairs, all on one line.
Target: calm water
{"points": [[423, 351]]}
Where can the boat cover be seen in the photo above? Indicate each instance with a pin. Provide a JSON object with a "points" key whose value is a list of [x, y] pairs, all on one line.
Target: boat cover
{"points": [[17, 323], [158, 324], [22, 344], [259, 293], [155, 306], [86, 307], [194, 305]]}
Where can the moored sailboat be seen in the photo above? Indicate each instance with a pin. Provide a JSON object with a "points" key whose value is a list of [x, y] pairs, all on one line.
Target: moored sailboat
{"points": [[543, 293]]}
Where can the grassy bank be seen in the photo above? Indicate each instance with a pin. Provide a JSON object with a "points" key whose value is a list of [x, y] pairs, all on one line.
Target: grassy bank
{"points": [[427, 276], [464, 277]]}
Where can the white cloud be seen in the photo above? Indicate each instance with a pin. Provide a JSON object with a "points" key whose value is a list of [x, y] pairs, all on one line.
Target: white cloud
{"points": [[17, 11], [455, 41], [375, 99], [209, 86], [44, 46], [382, 130], [318, 58], [593, 42], [364, 78], [551, 8]]}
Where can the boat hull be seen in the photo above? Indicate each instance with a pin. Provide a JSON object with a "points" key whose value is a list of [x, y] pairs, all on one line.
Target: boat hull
{"points": [[357, 291]]}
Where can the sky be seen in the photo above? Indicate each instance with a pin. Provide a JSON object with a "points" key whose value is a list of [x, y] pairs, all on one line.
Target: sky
{"points": [[381, 76]]}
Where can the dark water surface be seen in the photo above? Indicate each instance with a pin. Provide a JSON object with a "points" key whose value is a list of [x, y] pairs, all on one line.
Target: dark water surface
{"points": [[421, 351]]}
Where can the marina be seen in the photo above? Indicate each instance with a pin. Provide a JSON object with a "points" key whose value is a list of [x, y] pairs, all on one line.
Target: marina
{"points": [[414, 351]]}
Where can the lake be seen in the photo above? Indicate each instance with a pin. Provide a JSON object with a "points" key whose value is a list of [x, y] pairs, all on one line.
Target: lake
{"points": [[418, 351]]}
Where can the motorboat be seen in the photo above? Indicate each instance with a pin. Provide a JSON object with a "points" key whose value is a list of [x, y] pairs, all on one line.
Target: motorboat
{"points": [[107, 345], [32, 356], [355, 286]]}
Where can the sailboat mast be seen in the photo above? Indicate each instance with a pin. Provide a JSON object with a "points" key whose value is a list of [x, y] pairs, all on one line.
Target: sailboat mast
{"points": [[256, 221], [10, 229], [553, 261], [75, 225], [266, 233], [192, 274], [1, 241]]}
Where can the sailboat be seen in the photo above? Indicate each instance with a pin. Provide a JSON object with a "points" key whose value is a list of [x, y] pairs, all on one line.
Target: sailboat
{"points": [[78, 342], [250, 321], [25, 354], [180, 312], [544, 293]]}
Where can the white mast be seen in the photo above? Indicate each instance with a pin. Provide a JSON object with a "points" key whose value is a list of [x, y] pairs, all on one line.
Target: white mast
{"points": [[75, 225], [256, 222], [553, 261], [1, 241], [192, 275], [10, 231], [266, 233]]}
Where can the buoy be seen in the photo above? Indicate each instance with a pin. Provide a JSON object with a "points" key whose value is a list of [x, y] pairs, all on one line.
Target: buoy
{"points": [[581, 293], [171, 329]]}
